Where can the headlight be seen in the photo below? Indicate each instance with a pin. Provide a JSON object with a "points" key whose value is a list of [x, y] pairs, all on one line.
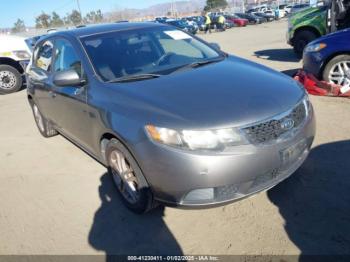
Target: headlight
{"points": [[315, 47], [196, 139], [21, 54]]}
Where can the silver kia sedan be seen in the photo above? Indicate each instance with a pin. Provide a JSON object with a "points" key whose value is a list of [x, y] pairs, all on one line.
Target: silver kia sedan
{"points": [[174, 119]]}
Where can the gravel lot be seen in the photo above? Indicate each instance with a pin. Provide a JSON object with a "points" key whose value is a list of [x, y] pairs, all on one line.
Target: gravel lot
{"points": [[54, 199]]}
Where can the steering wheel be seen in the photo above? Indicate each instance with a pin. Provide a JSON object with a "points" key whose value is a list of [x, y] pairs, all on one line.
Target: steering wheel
{"points": [[163, 58]]}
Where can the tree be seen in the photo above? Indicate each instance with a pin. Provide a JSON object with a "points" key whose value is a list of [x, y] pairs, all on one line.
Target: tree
{"points": [[93, 17], [213, 4], [99, 16], [66, 20], [18, 26], [56, 20], [75, 17], [43, 21]]}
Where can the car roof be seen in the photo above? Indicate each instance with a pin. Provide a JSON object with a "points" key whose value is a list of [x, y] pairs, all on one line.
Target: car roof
{"points": [[105, 28]]}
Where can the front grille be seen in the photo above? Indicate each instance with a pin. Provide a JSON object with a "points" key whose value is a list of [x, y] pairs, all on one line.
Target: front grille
{"points": [[273, 129]]}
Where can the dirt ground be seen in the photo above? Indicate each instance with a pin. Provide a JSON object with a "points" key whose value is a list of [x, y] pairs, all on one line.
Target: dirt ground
{"points": [[54, 199]]}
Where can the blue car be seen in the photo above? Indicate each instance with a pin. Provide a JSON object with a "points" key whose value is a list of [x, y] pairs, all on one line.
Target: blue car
{"points": [[328, 58]]}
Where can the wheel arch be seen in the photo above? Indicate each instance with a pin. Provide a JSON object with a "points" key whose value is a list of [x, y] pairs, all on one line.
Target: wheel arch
{"points": [[11, 62], [306, 28], [104, 140]]}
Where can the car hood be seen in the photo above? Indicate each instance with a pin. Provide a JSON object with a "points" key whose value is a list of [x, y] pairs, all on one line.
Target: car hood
{"points": [[342, 35], [306, 14], [12, 43], [232, 92]]}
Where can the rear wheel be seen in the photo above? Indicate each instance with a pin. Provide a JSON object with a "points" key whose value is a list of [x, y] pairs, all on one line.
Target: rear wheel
{"points": [[128, 178], [337, 71], [301, 39], [10, 79], [44, 126]]}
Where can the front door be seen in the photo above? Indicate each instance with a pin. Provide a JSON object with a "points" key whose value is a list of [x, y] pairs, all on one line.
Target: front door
{"points": [[70, 101]]}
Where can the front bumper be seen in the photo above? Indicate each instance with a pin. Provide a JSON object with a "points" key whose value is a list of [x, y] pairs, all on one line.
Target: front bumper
{"points": [[179, 178], [313, 63]]}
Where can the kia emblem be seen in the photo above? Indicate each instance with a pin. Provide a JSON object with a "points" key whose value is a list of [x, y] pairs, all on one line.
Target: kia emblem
{"points": [[287, 124]]}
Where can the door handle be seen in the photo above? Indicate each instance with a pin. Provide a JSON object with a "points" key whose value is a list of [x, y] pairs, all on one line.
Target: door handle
{"points": [[52, 94]]}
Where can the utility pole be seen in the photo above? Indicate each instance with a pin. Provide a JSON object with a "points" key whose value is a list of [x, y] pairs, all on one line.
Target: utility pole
{"points": [[78, 4]]}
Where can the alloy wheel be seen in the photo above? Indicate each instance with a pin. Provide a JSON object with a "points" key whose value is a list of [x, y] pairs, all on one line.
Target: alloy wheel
{"points": [[124, 176], [7, 80], [340, 73]]}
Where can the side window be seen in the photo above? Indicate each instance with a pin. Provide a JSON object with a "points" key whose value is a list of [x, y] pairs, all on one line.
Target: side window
{"points": [[43, 56], [66, 57]]}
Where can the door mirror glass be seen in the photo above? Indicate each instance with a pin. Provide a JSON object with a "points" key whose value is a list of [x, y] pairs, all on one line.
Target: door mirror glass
{"points": [[68, 78]]}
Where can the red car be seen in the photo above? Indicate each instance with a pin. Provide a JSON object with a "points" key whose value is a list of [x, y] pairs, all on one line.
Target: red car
{"points": [[237, 20]]}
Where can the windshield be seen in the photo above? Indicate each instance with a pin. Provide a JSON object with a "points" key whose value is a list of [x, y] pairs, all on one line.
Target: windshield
{"points": [[156, 50]]}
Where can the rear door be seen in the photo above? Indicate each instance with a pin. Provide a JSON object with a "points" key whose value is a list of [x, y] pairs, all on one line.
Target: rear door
{"points": [[39, 77]]}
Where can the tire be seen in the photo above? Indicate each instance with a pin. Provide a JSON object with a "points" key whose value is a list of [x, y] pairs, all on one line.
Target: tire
{"points": [[10, 79], [44, 126], [301, 39], [332, 67], [142, 201]]}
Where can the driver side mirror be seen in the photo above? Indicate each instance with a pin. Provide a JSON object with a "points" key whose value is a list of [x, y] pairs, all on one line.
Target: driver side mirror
{"points": [[68, 78], [216, 46]]}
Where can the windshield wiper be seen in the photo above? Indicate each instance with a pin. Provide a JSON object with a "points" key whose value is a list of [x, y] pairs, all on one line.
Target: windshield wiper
{"points": [[200, 63], [132, 78]]}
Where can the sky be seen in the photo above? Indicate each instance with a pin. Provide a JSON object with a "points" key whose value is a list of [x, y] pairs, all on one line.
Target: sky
{"points": [[27, 10]]}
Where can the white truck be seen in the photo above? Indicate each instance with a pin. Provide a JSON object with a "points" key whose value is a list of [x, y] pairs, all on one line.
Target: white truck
{"points": [[15, 53]]}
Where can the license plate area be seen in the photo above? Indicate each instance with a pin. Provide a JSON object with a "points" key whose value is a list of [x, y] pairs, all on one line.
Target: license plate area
{"points": [[292, 154]]}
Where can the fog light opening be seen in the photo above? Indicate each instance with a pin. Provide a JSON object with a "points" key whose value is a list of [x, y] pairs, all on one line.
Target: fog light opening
{"points": [[203, 194]]}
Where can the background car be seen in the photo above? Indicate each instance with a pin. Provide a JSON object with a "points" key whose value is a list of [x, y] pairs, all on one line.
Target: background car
{"points": [[191, 23], [252, 19], [268, 17], [183, 26], [313, 22], [15, 53], [161, 19], [328, 58], [298, 8], [215, 23], [237, 20], [272, 13], [229, 24], [283, 8], [200, 22], [259, 8], [288, 9]]}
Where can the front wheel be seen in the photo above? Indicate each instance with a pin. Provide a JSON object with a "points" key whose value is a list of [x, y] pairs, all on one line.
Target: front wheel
{"points": [[301, 39], [128, 178], [337, 71], [44, 126], [10, 79]]}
